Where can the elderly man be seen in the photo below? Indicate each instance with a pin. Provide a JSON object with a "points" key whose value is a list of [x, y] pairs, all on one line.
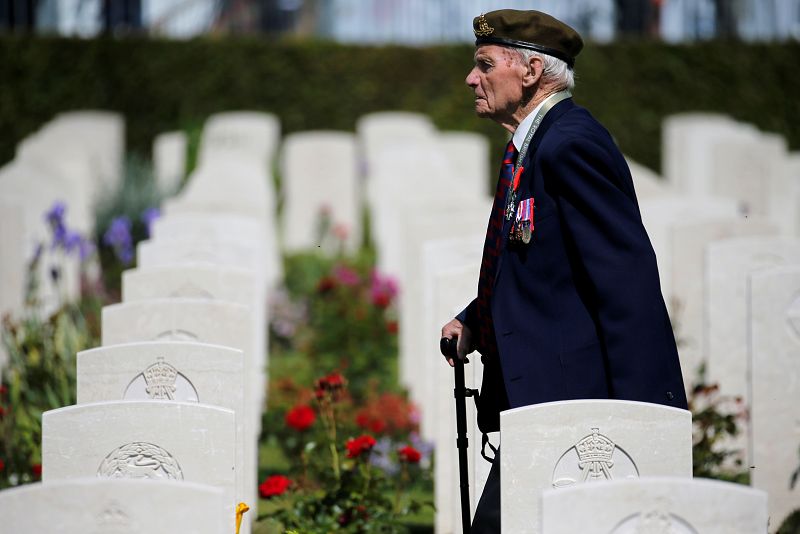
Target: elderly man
{"points": [[569, 304]]}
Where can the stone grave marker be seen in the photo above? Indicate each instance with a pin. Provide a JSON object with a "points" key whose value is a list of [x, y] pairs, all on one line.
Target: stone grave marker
{"points": [[660, 214], [320, 180], [115, 506], [468, 155], [248, 135], [452, 290], [150, 440], [647, 183], [172, 371], [568, 443], [655, 505], [688, 242], [434, 256], [774, 368], [383, 128], [169, 160]]}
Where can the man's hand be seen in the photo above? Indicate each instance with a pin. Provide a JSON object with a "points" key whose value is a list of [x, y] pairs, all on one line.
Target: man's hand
{"points": [[456, 328]]}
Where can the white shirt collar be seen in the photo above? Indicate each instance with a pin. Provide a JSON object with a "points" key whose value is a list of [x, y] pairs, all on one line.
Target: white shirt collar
{"points": [[525, 125]]}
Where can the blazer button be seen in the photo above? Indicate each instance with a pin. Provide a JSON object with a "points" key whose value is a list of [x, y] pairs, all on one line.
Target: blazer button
{"points": [[670, 396]]}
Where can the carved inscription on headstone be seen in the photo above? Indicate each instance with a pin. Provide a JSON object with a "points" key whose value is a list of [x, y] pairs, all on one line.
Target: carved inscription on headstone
{"points": [[593, 458], [176, 334], [112, 519], [140, 460], [655, 521]]}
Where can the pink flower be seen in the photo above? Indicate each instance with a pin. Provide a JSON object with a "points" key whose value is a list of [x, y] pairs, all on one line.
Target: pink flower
{"points": [[346, 276], [383, 290]]}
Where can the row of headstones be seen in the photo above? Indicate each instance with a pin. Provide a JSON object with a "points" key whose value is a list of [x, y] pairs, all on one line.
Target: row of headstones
{"points": [[177, 388], [74, 159]]}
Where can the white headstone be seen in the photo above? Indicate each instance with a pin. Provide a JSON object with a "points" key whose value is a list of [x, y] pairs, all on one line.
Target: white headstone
{"points": [[172, 371], [142, 440], [452, 290], [118, 506], [687, 139], [647, 183], [688, 242], [661, 213], [774, 316], [14, 256], [383, 128], [419, 329], [199, 281], [320, 179], [169, 160], [655, 505], [728, 264], [468, 154], [470, 218], [561, 444], [244, 135]]}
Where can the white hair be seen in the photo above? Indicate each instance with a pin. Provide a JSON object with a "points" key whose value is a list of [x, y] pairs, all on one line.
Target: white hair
{"points": [[555, 70]]}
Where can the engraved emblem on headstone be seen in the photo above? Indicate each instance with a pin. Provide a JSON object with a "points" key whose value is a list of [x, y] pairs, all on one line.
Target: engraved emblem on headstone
{"points": [[161, 381], [595, 457], [112, 519], [657, 520], [190, 290], [140, 460], [176, 334], [160, 378]]}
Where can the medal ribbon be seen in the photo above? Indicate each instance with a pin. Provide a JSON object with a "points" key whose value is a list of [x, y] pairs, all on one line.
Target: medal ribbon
{"points": [[548, 104]]}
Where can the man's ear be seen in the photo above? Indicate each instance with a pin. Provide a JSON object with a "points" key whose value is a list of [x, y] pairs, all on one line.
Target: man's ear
{"points": [[534, 74]]}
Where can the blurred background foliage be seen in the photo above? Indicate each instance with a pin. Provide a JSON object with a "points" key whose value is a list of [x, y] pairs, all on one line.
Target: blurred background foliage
{"points": [[162, 85]]}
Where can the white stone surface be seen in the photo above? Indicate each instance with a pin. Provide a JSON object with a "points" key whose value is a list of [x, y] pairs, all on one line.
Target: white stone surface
{"points": [[200, 281], [14, 253], [655, 505], [728, 264], [142, 440], [419, 225], [661, 213], [118, 506], [169, 160], [774, 323], [452, 290], [687, 141], [647, 183], [562, 444], [320, 175], [383, 128], [688, 242], [419, 329], [246, 135], [172, 371], [468, 155]]}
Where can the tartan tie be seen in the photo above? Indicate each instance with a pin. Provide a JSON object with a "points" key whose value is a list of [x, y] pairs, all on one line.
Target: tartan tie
{"points": [[491, 254]]}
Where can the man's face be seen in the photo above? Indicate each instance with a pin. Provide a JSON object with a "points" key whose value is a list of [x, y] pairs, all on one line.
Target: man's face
{"points": [[496, 80]]}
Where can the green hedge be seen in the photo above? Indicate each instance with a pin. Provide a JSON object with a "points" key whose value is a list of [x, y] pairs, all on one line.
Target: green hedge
{"points": [[163, 85]]}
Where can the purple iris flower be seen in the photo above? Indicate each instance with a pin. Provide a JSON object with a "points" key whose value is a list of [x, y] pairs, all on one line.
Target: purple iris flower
{"points": [[148, 216], [118, 237]]}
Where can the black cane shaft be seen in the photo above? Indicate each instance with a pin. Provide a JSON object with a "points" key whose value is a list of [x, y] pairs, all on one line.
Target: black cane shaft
{"points": [[462, 443]]}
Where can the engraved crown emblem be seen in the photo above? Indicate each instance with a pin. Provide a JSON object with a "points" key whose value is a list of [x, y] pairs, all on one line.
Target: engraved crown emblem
{"points": [[160, 378], [483, 28], [595, 448]]}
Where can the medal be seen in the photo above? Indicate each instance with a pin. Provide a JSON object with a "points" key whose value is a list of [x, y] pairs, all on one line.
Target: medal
{"points": [[523, 224]]}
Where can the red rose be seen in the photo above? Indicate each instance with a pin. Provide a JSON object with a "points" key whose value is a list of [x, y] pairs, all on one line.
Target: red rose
{"points": [[3, 389], [326, 284], [2, 411], [2, 464], [409, 454], [37, 470], [273, 486], [377, 426], [362, 419], [392, 327], [358, 446], [300, 417]]}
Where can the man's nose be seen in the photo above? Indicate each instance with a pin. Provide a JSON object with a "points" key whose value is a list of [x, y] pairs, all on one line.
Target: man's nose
{"points": [[472, 78]]}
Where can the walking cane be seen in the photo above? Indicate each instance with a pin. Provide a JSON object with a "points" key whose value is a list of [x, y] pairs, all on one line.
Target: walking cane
{"points": [[448, 348]]}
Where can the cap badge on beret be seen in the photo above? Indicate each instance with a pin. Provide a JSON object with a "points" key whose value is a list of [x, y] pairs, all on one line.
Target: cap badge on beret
{"points": [[483, 28]]}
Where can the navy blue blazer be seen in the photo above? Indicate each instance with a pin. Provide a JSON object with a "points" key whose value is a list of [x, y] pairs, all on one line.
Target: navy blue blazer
{"points": [[578, 312]]}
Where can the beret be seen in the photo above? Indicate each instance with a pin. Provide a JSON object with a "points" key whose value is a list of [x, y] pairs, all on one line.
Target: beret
{"points": [[528, 29]]}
